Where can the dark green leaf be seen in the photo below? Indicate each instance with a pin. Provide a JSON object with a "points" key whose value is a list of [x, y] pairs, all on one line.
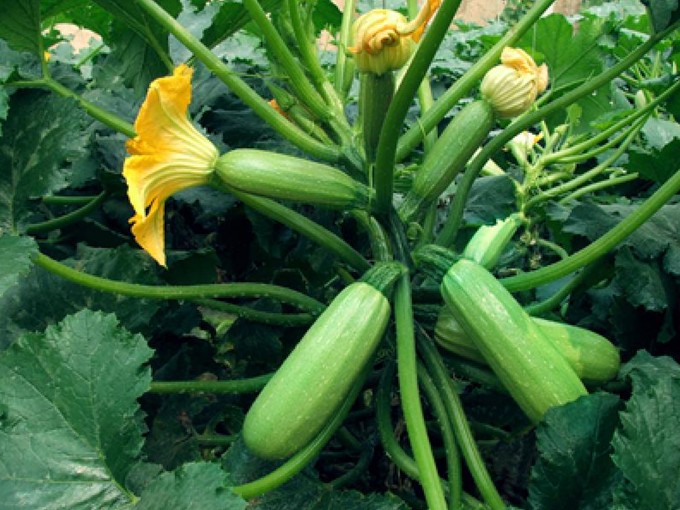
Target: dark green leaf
{"points": [[199, 485], [327, 15], [20, 25], [231, 17], [16, 254], [647, 445], [4, 106], [574, 470], [491, 198], [651, 240], [663, 13], [195, 21], [654, 164], [41, 136], [641, 282], [71, 427]]}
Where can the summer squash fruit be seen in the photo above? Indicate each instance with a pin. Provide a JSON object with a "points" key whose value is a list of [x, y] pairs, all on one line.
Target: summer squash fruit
{"points": [[449, 155], [594, 358], [529, 365], [317, 376], [272, 175]]}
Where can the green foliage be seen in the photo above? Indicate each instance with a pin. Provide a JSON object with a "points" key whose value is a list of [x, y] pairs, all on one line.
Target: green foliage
{"points": [[71, 426], [43, 134], [85, 421], [645, 447]]}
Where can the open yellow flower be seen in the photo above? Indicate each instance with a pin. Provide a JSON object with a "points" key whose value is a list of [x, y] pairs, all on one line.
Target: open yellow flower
{"points": [[168, 155]]}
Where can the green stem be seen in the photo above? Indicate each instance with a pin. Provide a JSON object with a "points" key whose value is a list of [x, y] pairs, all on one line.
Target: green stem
{"points": [[272, 318], [464, 84], [298, 461], [306, 227], [410, 398], [192, 292], [307, 49], [239, 87], [67, 219], [234, 386], [601, 246], [451, 450], [598, 186], [466, 441], [389, 135], [215, 439], [344, 69], [294, 71], [453, 221], [554, 247], [68, 199], [356, 472], [107, 118], [542, 307], [580, 180]]}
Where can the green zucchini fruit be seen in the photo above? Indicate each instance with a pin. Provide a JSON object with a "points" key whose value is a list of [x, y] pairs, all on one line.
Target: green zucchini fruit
{"points": [[594, 358], [272, 175], [448, 156], [532, 369], [318, 374]]}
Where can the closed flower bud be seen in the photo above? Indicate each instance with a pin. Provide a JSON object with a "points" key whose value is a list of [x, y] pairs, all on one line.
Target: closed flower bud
{"points": [[512, 87], [379, 46]]}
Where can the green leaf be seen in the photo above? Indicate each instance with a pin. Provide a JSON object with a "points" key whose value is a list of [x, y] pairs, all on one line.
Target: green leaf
{"points": [[642, 282], [4, 106], [663, 13], [43, 134], [574, 470], [195, 485], [647, 445], [70, 426], [195, 21], [571, 55], [231, 17], [17, 253], [20, 25]]}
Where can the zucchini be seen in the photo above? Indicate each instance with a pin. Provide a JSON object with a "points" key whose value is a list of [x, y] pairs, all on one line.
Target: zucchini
{"points": [[530, 367], [316, 377], [272, 175], [448, 156], [594, 358], [488, 243]]}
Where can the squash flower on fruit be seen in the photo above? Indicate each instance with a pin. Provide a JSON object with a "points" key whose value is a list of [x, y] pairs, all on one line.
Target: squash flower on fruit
{"points": [[512, 87], [169, 154], [384, 40]]}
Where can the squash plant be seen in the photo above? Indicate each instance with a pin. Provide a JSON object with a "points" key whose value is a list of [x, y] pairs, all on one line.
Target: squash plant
{"points": [[231, 233]]}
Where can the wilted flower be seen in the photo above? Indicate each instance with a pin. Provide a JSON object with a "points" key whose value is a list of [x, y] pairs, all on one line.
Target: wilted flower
{"points": [[169, 154], [513, 86]]}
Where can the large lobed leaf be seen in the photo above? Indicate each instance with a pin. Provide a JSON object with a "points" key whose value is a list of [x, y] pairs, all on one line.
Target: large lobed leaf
{"points": [[70, 425], [41, 136], [574, 469], [20, 25], [16, 253], [647, 443]]}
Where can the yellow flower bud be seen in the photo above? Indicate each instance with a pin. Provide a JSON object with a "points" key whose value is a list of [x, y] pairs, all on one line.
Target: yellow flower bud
{"points": [[379, 46], [513, 86]]}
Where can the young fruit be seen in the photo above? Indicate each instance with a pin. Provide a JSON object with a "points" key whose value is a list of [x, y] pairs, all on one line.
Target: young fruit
{"points": [[534, 372], [594, 358], [318, 374], [273, 175], [455, 146]]}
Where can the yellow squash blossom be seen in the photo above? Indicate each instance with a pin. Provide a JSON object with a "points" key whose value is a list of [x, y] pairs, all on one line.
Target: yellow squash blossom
{"points": [[168, 155], [384, 39], [512, 87]]}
